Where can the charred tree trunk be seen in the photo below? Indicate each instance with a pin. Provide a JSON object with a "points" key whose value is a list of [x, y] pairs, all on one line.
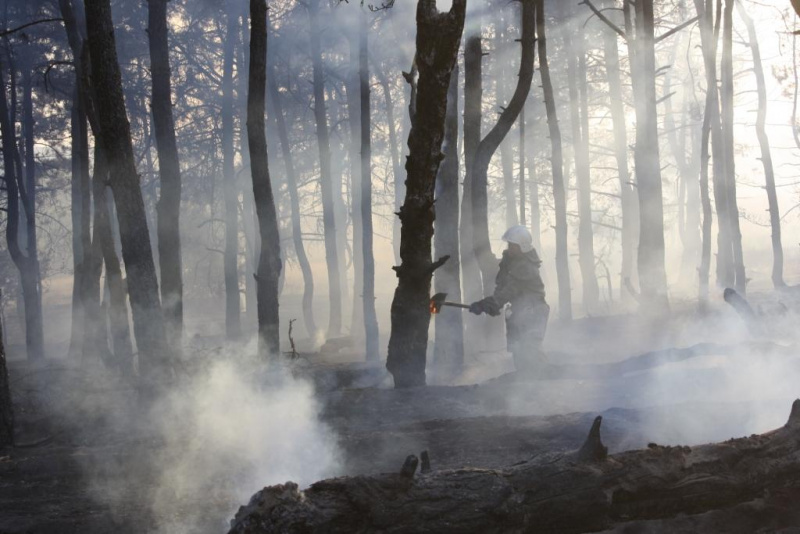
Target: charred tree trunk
{"points": [[326, 178], [449, 341], [473, 94], [543, 494], [478, 174], [233, 327], [438, 38], [652, 274], [576, 73], [766, 154], [275, 101], [169, 203], [627, 194], [21, 207], [368, 280], [116, 143], [728, 156], [269, 262], [557, 163]]}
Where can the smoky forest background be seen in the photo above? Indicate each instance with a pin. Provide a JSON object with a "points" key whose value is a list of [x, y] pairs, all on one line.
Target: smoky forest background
{"points": [[223, 222]]}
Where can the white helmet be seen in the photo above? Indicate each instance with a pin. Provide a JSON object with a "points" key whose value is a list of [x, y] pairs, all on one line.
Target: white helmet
{"points": [[519, 235]]}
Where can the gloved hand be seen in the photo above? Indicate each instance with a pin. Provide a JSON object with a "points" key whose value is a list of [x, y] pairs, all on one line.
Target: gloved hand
{"points": [[487, 305], [476, 307]]}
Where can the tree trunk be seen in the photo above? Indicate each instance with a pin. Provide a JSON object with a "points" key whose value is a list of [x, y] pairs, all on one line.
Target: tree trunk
{"points": [[117, 286], [766, 155], [523, 217], [6, 402], [368, 294], [20, 202], [352, 88], [326, 177], [627, 194], [449, 341], [711, 130], [652, 274], [581, 491], [115, 141], [269, 262], [95, 333], [506, 153], [248, 208], [81, 210], [478, 174], [470, 272], [275, 101], [686, 164], [233, 327], [438, 39], [557, 164], [397, 169], [168, 207], [576, 74], [728, 156]]}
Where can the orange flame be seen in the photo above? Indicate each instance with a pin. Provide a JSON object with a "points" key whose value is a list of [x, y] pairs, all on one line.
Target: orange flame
{"points": [[432, 307]]}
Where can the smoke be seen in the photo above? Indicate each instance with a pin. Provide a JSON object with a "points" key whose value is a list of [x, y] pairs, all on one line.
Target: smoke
{"points": [[207, 445]]}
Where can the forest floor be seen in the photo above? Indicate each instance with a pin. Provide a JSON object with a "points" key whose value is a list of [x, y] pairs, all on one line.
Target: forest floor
{"points": [[93, 460]]}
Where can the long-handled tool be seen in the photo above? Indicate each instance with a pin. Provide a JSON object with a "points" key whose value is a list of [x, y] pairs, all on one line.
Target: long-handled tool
{"points": [[438, 300]]}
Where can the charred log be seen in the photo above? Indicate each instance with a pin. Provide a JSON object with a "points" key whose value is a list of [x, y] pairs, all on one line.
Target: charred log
{"points": [[541, 495]]}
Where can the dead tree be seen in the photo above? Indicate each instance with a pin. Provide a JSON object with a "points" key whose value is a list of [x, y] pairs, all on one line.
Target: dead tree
{"points": [[326, 176], [557, 166], [21, 208], [477, 175], [766, 154], [449, 342], [438, 38], [543, 494], [275, 102], [368, 258], [115, 140], [269, 262], [169, 203]]}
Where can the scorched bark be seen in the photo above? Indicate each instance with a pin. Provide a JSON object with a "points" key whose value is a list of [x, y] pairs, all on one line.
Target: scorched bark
{"points": [[438, 38]]}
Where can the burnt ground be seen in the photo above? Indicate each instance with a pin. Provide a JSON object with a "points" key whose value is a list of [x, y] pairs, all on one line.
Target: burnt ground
{"points": [[86, 460]]}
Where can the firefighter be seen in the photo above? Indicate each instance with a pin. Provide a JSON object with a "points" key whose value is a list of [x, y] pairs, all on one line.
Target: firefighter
{"points": [[519, 284]]}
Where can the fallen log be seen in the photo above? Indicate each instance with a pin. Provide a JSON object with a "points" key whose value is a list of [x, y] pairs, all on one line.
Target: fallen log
{"points": [[573, 492]]}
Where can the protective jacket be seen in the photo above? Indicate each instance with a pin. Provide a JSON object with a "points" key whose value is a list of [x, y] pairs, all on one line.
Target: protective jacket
{"points": [[519, 283]]}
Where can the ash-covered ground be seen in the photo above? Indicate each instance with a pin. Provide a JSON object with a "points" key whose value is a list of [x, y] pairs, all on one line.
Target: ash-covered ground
{"points": [[97, 455]]}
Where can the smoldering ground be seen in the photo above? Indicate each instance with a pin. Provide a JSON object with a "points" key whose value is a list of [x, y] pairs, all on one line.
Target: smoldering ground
{"points": [[184, 461]]}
